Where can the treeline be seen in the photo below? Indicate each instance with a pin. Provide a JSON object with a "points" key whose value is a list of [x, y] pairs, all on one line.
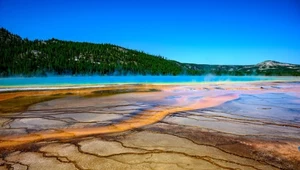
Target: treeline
{"points": [[22, 57], [37, 58]]}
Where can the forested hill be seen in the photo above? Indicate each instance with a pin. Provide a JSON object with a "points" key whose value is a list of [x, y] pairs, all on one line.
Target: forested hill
{"points": [[22, 57]]}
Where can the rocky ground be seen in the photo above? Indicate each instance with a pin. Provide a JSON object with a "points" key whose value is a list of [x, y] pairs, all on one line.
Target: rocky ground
{"points": [[208, 126]]}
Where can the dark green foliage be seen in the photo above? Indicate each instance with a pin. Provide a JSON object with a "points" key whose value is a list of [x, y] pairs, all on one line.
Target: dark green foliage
{"points": [[28, 58], [22, 57]]}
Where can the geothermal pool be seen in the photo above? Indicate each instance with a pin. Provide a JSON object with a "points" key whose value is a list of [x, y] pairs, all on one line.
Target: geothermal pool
{"points": [[104, 80], [224, 123]]}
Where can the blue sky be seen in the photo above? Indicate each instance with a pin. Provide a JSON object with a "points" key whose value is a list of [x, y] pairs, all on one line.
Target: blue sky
{"points": [[193, 31]]}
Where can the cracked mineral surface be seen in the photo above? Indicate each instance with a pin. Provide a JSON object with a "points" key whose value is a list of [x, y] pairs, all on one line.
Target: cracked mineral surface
{"points": [[199, 126]]}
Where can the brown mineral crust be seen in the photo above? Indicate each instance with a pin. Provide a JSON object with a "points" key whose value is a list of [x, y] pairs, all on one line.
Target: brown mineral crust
{"points": [[279, 153]]}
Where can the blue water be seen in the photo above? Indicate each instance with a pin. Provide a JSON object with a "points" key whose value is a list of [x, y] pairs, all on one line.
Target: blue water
{"points": [[98, 80]]}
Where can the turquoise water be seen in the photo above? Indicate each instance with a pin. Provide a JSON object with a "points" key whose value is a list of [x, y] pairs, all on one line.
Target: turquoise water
{"points": [[99, 80]]}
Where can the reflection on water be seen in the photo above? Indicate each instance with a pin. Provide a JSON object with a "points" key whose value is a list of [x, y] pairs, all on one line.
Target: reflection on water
{"points": [[271, 106], [185, 100], [243, 121]]}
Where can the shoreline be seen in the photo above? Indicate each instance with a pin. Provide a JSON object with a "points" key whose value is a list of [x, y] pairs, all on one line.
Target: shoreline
{"points": [[232, 124], [87, 86]]}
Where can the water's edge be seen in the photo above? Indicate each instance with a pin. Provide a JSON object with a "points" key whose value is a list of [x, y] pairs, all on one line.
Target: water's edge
{"points": [[73, 82]]}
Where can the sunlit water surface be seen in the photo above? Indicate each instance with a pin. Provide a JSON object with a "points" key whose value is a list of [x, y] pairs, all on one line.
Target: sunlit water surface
{"points": [[101, 80], [254, 116]]}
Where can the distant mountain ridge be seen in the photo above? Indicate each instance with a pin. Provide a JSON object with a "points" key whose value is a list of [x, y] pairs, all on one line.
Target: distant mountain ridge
{"points": [[271, 63], [22, 57], [266, 68]]}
